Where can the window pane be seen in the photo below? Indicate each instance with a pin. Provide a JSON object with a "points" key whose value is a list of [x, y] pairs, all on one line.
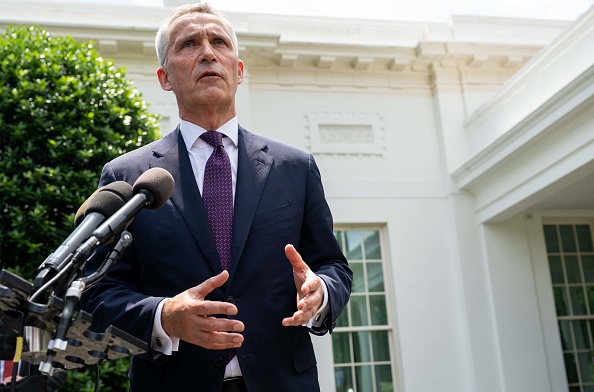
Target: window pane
{"points": [[590, 292], [561, 301], [358, 311], [375, 277], [364, 377], [567, 238], [341, 347], [565, 330], [570, 368], [353, 245], [372, 245], [588, 267], [573, 269], [343, 319], [343, 379], [379, 315], [358, 278], [361, 348], [580, 329], [338, 235], [383, 378], [586, 364], [353, 343], [571, 263], [578, 303], [381, 346], [556, 269], [584, 238], [550, 232]]}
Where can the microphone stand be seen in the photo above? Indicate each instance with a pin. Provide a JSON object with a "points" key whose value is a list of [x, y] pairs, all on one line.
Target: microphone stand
{"points": [[73, 295], [72, 345]]}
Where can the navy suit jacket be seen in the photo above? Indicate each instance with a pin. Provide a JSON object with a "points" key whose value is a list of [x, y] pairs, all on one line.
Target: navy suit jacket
{"points": [[279, 200]]}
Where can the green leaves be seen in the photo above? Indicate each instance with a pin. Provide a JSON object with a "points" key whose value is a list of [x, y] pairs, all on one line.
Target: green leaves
{"points": [[64, 112]]}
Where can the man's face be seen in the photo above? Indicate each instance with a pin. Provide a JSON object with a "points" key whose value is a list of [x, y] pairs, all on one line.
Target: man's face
{"points": [[203, 69]]}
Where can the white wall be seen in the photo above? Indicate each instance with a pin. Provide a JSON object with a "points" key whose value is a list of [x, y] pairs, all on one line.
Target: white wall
{"points": [[467, 297]]}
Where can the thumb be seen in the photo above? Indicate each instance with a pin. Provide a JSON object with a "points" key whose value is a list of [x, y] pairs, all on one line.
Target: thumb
{"points": [[295, 258], [206, 287]]}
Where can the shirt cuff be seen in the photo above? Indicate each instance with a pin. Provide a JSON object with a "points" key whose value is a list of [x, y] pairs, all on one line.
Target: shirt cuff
{"points": [[160, 341], [318, 319]]}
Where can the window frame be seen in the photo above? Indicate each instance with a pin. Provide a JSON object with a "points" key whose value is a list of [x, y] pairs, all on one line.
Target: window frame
{"points": [[389, 296], [534, 223]]}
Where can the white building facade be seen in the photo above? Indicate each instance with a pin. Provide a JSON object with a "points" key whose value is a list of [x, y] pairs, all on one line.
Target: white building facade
{"points": [[458, 161]]}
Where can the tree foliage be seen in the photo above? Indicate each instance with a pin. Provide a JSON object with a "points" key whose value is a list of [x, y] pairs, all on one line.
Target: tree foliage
{"points": [[64, 112]]}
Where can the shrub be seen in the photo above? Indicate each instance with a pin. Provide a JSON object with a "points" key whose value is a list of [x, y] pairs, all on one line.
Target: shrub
{"points": [[64, 112]]}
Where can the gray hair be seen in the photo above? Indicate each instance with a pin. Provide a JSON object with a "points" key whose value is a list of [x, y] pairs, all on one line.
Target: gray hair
{"points": [[162, 38]]}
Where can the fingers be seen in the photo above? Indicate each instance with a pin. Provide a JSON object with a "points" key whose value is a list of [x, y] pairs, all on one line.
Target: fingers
{"points": [[216, 333], [300, 317], [189, 317], [309, 288], [295, 258], [301, 270], [206, 287], [308, 305], [312, 284], [202, 307]]}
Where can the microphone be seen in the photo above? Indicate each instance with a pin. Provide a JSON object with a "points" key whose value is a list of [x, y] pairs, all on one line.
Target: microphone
{"points": [[151, 191], [103, 203]]}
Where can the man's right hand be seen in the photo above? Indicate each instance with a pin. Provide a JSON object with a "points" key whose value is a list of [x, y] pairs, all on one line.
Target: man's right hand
{"points": [[189, 317]]}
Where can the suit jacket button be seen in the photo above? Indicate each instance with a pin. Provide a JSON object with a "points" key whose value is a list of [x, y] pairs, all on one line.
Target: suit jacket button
{"points": [[219, 362], [231, 300]]}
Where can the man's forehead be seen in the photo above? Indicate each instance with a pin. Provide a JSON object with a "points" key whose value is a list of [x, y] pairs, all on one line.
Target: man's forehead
{"points": [[198, 21]]}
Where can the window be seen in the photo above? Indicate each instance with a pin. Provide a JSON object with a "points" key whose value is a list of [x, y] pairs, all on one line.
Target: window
{"points": [[361, 341], [570, 254]]}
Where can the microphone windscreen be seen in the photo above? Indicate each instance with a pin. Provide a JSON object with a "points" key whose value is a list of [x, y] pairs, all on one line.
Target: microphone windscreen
{"points": [[80, 213], [159, 182], [106, 200]]}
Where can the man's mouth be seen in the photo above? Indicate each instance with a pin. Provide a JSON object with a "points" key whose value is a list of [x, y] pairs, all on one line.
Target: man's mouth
{"points": [[208, 74]]}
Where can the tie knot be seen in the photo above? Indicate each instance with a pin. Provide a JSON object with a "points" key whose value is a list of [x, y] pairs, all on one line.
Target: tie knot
{"points": [[213, 138]]}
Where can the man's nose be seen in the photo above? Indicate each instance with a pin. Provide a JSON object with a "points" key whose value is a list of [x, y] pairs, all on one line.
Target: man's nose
{"points": [[207, 54]]}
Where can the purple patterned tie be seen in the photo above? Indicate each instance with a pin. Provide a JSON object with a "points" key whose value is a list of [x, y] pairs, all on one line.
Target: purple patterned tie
{"points": [[217, 194]]}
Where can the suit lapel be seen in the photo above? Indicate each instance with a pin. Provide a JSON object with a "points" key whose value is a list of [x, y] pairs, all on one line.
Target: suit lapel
{"points": [[172, 155], [253, 168]]}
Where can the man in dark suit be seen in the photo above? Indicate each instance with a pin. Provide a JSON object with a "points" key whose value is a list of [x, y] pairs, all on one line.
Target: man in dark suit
{"points": [[234, 317]]}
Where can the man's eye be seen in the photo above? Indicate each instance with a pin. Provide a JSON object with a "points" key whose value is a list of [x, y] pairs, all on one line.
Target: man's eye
{"points": [[219, 41], [187, 44]]}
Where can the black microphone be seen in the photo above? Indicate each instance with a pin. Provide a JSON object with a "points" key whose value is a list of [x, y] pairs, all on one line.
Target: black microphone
{"points": [[151, 191], [103, 203]]}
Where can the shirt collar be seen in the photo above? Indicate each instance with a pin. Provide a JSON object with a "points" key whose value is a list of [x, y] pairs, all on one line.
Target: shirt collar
{"points": [[191, 132]]}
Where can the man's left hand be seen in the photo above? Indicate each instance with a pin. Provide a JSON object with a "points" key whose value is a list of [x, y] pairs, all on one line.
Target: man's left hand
{"points": [[310, 293]]}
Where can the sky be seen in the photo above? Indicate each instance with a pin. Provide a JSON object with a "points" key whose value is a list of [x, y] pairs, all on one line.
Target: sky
{"points": [[419, 10]]}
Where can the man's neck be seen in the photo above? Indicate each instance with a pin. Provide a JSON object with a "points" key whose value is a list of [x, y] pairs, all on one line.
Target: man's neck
{"points": [[208, 120]]}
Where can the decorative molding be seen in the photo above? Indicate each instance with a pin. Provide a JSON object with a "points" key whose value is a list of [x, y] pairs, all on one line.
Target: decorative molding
{"points": [[346, 134], [287, 60], [362, 63], [148, 48], [108, 46], [325, 62]]}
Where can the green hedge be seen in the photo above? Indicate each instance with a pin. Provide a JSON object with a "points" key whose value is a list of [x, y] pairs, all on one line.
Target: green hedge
{"points": [[64, 112]]}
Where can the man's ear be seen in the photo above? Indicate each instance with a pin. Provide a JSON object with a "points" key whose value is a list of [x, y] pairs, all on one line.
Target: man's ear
{"points": [[239, 72], [164, 79]]}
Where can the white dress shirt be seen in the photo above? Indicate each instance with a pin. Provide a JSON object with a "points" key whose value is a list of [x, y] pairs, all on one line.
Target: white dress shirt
{"points": [[199, 152]]}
